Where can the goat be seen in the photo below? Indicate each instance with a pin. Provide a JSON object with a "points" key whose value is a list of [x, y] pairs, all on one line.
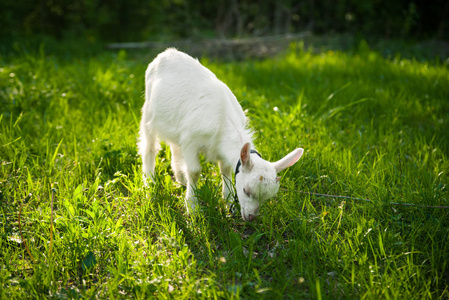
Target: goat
{"points": [[194, 112]]}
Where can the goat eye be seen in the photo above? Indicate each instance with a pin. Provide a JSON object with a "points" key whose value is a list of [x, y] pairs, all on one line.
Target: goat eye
{"points": [[247, 192]]}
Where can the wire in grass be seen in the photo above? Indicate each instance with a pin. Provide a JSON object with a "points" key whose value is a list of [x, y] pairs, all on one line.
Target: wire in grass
{"points": [[366, 200], [20, 227], [51, 221], [51, 224]]}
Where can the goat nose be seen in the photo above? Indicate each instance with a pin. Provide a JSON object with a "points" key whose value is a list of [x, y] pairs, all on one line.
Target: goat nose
{"points": [[251, 217]]}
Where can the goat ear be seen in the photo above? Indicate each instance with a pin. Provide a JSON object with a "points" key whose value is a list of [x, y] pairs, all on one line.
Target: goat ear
{"points": [[288, 160], [245, 157]]}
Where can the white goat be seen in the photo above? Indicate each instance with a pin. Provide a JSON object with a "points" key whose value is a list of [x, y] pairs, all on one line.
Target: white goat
{"points": [[194, 112]]}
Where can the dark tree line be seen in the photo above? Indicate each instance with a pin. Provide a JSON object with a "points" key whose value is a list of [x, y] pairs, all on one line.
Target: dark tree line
{"points": [[137, 20]]}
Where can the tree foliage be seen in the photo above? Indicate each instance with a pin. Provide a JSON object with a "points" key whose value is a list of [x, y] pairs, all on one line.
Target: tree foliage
{"points": [[126, 20]]}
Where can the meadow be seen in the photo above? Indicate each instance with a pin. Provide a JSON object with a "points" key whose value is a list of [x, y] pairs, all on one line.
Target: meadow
{"points": [[77, 222]]}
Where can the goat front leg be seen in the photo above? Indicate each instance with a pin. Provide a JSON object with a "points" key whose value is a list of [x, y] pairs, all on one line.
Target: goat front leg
{"points": [[226, 181]]}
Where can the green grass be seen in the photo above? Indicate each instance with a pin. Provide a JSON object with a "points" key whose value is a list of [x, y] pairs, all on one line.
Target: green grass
{"points": [[372, 128]]}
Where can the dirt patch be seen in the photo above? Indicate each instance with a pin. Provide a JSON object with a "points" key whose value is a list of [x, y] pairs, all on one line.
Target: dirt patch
{"points": [[269, 46], [227, 49]]}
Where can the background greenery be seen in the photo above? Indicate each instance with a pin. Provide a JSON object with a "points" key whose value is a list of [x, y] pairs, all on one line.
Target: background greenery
{"points": [[135, 20], [372, 127]]}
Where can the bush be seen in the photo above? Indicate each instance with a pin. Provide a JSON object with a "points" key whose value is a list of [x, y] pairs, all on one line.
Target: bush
{"points": [[131, 20]]}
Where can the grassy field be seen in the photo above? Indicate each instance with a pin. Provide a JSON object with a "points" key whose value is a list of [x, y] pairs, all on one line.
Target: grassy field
{"points": [[372, 127]]}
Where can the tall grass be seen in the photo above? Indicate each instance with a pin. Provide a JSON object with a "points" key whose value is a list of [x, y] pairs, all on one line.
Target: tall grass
{"points": [[373, 128]]}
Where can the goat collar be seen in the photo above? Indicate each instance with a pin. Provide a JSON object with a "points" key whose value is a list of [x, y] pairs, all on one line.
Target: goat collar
{"points": [[237, 170], [239, 163]]}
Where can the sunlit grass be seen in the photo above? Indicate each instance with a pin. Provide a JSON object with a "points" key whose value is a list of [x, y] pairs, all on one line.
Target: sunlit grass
{"points": [[372, 128]]}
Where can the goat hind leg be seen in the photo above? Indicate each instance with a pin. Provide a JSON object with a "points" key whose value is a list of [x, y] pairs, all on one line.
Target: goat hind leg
{"points": [[177, 164], [193, 171], [148, 149]]}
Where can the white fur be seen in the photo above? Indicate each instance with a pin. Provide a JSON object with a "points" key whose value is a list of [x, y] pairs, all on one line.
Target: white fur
{"points": [[194, 112]]}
